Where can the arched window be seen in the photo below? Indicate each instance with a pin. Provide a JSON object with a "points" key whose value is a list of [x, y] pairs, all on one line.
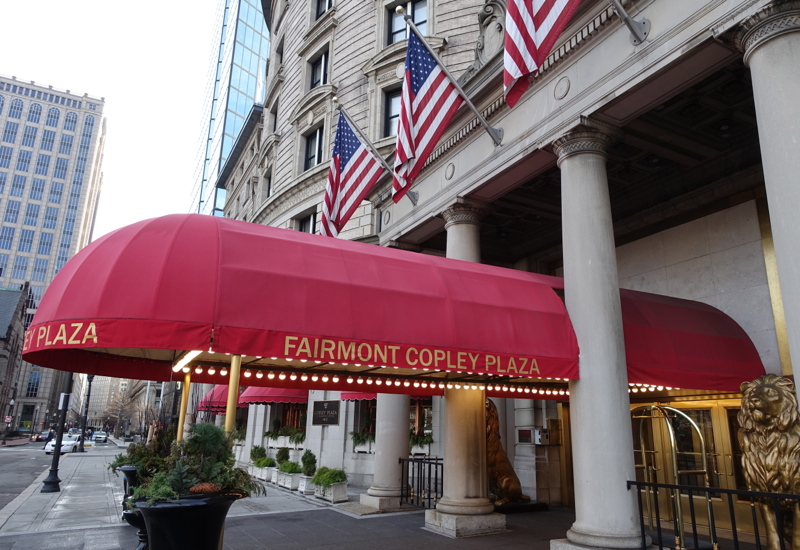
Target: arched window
{"points": [[16, 109], [35, 113], [2, 102], [70, 121], [53, 115]]}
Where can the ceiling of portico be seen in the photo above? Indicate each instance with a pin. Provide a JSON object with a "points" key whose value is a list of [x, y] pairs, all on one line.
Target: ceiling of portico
{"points": [[689, 154]]}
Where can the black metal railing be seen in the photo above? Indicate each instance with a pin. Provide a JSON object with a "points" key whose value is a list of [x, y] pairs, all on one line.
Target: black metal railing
{"points": [[665, 538], [421, 481]]}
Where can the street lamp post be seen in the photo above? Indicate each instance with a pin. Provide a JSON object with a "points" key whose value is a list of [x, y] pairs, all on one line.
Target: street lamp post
{"points": [[10, 415], [52, 482], [89, 378]]}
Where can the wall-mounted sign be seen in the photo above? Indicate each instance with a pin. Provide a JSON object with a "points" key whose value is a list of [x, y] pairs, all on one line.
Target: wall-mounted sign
{"points": [[326, 413], [524, 436]]}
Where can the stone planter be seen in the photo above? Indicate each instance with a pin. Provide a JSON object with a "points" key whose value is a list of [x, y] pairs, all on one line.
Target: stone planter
{"points": [[421, 450], [305, 487], [266, 473], [289, 481], [365, 448], [196, 521], [273, 478], [335, 493]]}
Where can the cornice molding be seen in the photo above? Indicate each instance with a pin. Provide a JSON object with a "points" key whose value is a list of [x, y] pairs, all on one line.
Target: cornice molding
{"points": [[585, 140], [469, 211], [779, 18], [318, 30], [276, 81], [311, 100]]}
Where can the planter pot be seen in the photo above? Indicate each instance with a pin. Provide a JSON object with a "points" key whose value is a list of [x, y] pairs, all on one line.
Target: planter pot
{"points": [[131, 480], [135, 519], [335, 493], [365, 448], [196, 521], [273, 478], [289, 481], [266, 473], [421, 450], [305, 487]]}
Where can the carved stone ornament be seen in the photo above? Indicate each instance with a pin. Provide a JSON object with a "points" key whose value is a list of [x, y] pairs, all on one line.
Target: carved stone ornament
{"points": [[504, 485], [465, 211], [581, 141], [770, 440], [492, 32], [778, 18]]}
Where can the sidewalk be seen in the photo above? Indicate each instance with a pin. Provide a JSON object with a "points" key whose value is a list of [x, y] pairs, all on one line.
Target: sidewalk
{"points": [[17, 442]]}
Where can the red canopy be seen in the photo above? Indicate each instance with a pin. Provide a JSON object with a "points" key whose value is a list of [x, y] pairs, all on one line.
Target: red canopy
{"points": [[216, 400], [132, 302], [255, 394], [357, 396]]}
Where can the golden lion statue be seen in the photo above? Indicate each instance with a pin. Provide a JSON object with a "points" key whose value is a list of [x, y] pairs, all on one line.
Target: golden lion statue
{"points": [[504, 484], [770, 440]]}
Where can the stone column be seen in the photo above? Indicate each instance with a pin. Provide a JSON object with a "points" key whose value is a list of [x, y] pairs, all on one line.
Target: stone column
{"points": [[464, 509], [606, 515], [391, 444], [770, 40]]}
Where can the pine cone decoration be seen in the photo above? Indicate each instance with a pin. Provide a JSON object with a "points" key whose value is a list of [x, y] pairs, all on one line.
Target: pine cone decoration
{"points": [[203, 488]]}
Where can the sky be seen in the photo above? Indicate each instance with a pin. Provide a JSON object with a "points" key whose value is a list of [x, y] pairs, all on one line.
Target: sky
{"points": [[150, 61]]}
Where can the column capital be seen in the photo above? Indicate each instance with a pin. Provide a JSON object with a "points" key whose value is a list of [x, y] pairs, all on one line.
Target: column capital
{"points": [[469, 211], [776, 19], [584, 140]]}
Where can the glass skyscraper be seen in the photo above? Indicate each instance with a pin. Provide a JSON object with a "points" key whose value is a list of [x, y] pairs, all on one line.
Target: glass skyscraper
{"points": [[236, 82]]}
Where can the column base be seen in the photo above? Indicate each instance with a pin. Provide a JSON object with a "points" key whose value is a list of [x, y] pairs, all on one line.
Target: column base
{"points": [[596, 542], [459, 526], [384, 504]]}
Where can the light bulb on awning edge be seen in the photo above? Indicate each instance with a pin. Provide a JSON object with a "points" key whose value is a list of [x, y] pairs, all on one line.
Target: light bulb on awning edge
{"points": [[474, 387], [227, 354], [349, 379], [360, 380], [293, 376], [186, 369], [258, 357], [369, 380], [176, 368], [324, 377], [304, 360], [441, 385], [259, 374], [660, 388], [335, 379], [378, 381], [505, 388], [271, 375], [288, 359], [345, 364], [304, 377], [383, 366], [198, 369], [211, 370], [481, 388], [560, 392], [318, 362], [548, 392], [489, 388], [416, 384], [424, 384], [397, 382], [314, 377], [512, 388], [458, 386], [406, 383], [224, 371], [274, 358], [635, 390], [449, 386], [369, 366], [282, 376], [527, 390], [357, 364], [247, 373]]}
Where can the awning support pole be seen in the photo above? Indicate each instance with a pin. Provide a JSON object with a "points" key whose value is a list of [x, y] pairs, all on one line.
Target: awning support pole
{"points": [[233, 393], [187, 380]]}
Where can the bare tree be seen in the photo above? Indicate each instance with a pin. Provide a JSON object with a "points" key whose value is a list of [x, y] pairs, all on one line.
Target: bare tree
{"points": [[120, 409]]}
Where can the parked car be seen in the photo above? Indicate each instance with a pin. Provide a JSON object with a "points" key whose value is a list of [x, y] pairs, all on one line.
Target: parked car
{"points": [[100, 436], [69, 444]]}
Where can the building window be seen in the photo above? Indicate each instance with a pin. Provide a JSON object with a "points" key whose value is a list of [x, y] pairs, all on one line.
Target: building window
{"points": [[313, 149], [2, 100], [42, 164], [323, 6], [45, 243], [33, 384], [35, 113], [2, 182], [10, 132], [3, 264], [60, 171], [48, 139], [308, 224], [16, 109], [29, 137], [53, 115], [20, 270], [319, 70], [5, 156], [421, 416], [37, 191], [364, 416], [70, 121], [24, 161], [6, 237], [418, 10], [36, 293], [31, 214], [12, 211], [274, 115], [56, 191], [18, 185], [39, 270], [268, 184], [50, 218], [391, 113], [25, 241], [65, 148]]}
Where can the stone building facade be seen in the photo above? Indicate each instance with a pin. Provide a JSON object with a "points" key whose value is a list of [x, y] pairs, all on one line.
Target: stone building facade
{"points": [[667, 166]]}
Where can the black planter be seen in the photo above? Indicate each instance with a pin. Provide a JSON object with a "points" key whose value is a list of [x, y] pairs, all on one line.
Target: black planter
{"points": [[131, 480], [196, 521], [135, 519]]}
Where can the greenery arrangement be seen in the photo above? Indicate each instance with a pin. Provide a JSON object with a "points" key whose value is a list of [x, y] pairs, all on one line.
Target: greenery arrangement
{"points": [[282, 455], [295, 435], [361, 438], [326, 477], [265, 462], [239, 433], [203, 463], [419, 440], [149, 458], [257, 452], [290, 467], [309, 461]]}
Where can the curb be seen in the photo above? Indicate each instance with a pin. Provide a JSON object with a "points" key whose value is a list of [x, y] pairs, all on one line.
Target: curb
{"points": [[13, 506]]}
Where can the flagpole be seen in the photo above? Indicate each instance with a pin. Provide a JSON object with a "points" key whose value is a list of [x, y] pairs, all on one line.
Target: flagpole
{"points": [[412, 195], [495, 133]]}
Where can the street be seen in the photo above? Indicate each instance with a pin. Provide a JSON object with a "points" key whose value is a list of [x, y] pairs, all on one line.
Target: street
{"points": [[20, 466]]}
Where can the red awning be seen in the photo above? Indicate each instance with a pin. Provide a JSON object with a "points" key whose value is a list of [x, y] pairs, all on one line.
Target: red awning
{"points": [[255, 394], [216, 400], [132, 302], [357, 396]]}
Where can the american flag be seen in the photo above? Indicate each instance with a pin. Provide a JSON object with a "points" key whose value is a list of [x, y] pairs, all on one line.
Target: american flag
{"points": [[354, 170], [532, 28], [427, 104]]}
